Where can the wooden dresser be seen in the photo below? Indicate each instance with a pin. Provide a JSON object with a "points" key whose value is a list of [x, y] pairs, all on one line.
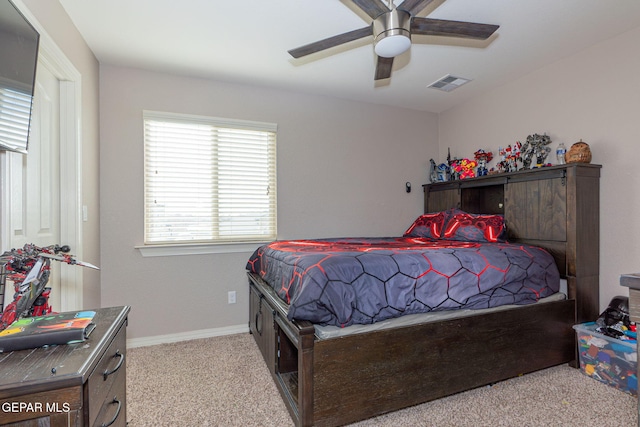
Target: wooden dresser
{"points": [[80, 384], [632, 281]]}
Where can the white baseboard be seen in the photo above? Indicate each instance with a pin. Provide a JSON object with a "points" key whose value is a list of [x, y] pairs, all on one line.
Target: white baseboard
{"points": [[186, 336]]}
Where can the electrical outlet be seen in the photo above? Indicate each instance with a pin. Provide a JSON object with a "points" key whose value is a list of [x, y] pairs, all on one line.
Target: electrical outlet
{"points": [[231, 297]]}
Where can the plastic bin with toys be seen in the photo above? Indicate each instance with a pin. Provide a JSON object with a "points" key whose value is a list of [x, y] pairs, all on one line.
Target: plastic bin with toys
{"points": [[608, 347]]}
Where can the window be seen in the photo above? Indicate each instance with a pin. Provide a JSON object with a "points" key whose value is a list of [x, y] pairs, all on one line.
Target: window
{"points": [[208, 180]]}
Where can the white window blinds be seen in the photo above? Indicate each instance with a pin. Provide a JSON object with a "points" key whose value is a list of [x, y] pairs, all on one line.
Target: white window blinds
{"points": [[15, 110], [208, 180]]}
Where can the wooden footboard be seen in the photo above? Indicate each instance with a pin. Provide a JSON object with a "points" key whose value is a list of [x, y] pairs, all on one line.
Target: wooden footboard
{"points": [[342, 380]]}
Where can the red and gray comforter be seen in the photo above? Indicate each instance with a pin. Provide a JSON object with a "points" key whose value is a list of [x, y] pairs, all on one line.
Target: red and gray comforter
{"points": [[365, 280]]}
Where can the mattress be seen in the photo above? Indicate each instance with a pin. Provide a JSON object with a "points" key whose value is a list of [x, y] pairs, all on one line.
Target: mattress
{"points": [[342, 282]]}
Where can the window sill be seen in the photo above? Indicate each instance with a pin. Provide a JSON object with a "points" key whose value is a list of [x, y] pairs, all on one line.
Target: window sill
{"points": [[197, 249]]}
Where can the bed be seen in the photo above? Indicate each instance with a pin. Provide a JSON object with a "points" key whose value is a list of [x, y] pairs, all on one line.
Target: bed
{"points": [[353, 376]]}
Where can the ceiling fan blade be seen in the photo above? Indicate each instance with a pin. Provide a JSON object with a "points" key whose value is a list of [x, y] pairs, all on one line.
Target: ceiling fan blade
{"points": [[383, 68], [331, 42], [414, 6], [442, 27], [373, 8]]}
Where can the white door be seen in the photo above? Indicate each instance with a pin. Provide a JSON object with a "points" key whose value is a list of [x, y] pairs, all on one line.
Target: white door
{"points": [[35, 179]]}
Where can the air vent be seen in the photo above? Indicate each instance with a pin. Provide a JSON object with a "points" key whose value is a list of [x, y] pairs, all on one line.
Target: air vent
{"points": [[448, 83]]}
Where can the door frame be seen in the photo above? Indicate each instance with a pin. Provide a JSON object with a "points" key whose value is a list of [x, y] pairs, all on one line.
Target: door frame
{"points": [[51, 56]]}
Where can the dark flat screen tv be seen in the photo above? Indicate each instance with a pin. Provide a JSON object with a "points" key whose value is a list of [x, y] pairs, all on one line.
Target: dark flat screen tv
{"points": [[19, 43]]}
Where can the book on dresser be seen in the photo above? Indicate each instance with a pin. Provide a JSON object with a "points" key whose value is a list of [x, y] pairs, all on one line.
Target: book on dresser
{"points": [[52, 329]]}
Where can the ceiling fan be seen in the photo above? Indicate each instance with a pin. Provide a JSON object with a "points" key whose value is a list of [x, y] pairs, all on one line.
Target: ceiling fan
{"points": [[392, 28]]}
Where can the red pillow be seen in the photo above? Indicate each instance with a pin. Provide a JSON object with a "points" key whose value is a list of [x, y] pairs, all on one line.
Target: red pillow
{"points": [[428, 225], [475, 228]]}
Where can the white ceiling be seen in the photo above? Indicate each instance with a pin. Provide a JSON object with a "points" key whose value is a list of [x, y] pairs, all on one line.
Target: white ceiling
{"points": [[247, 41]]}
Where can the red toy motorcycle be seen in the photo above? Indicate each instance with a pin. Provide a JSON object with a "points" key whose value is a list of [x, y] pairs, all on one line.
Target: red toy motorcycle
{"points": [[29, 269]]}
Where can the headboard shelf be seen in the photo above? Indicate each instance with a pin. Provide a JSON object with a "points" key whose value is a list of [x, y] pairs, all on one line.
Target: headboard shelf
{"points": [[555, 207]]}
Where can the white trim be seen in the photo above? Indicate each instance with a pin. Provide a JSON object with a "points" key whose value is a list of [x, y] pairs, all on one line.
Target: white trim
{"points": [[5, 185], [215, 121], [70, 193], [186, 336], [197, 249], [51, 56]]}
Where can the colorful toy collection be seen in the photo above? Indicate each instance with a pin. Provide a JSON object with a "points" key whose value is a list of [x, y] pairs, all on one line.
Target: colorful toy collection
{"points": [[532, 154]]}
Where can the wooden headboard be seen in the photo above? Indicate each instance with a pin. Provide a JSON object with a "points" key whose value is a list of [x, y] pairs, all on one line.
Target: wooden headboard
{"points": [[556, 208]]}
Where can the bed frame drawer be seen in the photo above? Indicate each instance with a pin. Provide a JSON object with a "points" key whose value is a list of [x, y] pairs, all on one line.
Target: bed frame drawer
{"points": [[262, 326]]}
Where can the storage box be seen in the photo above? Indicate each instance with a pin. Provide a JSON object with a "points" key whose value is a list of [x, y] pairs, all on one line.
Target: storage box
{"points": [[608, 360]]}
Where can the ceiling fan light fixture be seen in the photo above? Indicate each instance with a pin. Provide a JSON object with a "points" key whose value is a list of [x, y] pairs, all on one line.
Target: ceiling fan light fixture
{"points": [[392, 45], [392, 32], [392, 29]]}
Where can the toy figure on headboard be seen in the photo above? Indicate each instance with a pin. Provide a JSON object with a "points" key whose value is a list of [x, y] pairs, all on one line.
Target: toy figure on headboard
{"points": [[464, 168], [536, 146], [452, 175], [443, 172], [438, 173], [433, 174], [510, 157], [483, 157], [527, 157]]}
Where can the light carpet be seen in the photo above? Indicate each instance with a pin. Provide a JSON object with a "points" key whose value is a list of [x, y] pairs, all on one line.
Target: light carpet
{"points": [[223, 381]]}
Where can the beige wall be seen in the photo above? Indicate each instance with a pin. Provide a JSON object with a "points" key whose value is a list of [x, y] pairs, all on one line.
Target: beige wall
{"points": [[59, 27], [593, 95], [342, 168]]}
